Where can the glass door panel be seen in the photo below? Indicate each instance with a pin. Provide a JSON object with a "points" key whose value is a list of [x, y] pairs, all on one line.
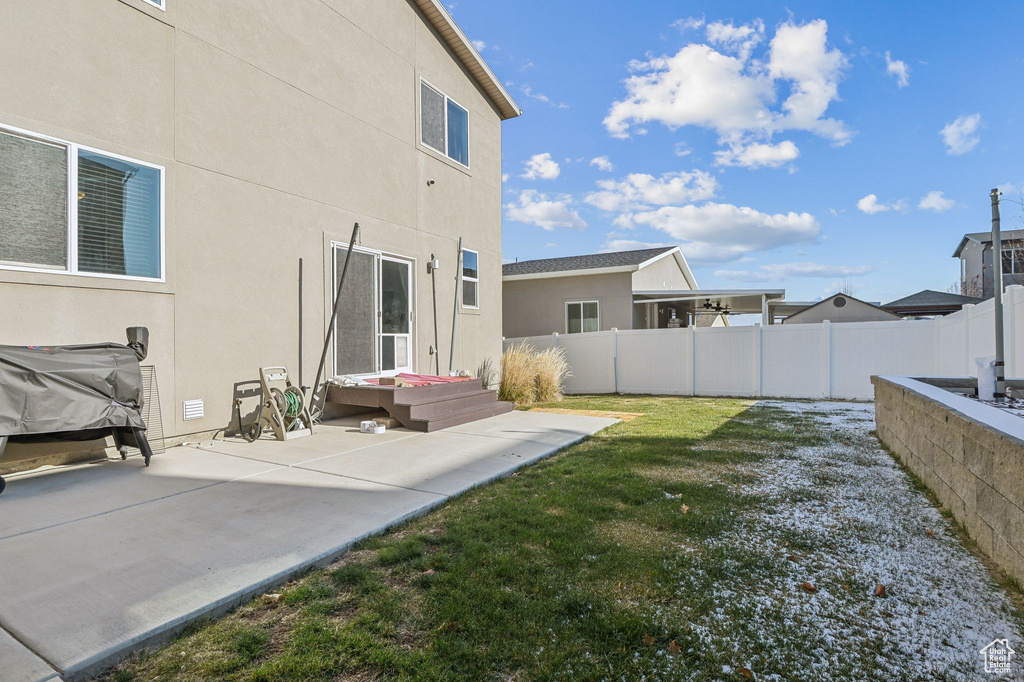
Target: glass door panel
{"points": [[355, 331], [396, 308]]}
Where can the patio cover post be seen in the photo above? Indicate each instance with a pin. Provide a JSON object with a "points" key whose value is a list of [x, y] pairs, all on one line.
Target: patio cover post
{"points": [[764, 309]]}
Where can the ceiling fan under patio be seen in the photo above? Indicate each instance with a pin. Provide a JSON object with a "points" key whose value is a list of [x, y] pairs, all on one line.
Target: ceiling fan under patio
{"points": [[718, 308]]}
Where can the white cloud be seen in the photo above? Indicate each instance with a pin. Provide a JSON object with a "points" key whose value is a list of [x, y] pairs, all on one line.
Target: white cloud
{"points": [[612, 245], [934, 201], [899, 69], [540, 166], [778, 272], [740, 39], [541, 97], [724, 232], [479, 45], [681, 149], [538, 209], [504, 177], [961, 136], [734, 94], [639, 191], [757, 154], [687, 24], [602, 163], [869, 204]]}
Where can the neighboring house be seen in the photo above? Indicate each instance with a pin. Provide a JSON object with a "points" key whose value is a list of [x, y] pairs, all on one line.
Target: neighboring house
{"points": [[597, 292], [168, 163], [840, 308], [975, 254], [928, 303]]}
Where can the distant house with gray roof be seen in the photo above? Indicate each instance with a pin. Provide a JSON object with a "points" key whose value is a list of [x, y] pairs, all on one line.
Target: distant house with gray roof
{"points": [[596, 292], [928, 303], [976, 258]]}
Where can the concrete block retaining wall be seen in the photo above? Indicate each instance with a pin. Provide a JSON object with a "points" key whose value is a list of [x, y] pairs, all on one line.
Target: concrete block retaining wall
{"points": [[971, 455]]}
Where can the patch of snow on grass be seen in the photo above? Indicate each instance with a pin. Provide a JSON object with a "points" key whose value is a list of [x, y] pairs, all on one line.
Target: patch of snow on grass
{"points": [[835, 520]]}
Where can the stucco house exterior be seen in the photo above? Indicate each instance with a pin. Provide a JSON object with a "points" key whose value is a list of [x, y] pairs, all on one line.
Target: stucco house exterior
{"points": [[598, 292], [975, 252], [168, 163]]}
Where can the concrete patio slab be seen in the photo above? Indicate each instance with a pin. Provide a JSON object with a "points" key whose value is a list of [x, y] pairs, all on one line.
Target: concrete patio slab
{"points": [[18, 663], [102, 559]]}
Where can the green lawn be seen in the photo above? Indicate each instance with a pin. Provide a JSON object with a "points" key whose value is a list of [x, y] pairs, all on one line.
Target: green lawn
{"points": [[594, 564]]}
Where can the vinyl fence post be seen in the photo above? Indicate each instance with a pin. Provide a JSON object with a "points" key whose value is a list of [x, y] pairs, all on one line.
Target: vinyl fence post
{"points": [[758, 354], [615, 359], [968, 368], [693, 360], [826, 359]]}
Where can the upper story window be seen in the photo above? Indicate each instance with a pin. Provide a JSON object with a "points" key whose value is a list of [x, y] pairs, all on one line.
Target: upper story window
{"points": [[444, 124], [1013, 258], [157, 3], [470, 279], [67, 208]]}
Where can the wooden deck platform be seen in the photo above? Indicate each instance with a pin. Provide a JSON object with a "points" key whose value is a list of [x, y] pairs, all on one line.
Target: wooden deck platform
{"points": [[425, 408]]}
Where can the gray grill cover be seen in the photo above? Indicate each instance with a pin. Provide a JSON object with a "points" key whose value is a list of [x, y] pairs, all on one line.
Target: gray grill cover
{"points": [[61, 389]]}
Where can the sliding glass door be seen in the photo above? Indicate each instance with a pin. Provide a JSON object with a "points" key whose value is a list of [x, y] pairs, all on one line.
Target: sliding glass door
{"points": [[373, 333]]}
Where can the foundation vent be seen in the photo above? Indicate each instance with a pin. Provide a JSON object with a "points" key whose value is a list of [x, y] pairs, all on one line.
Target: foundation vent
{"points": [[194, 409]]}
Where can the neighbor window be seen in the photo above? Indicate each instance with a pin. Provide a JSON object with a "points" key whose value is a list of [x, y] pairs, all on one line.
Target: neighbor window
{"points": [[158, 3], [70, 209], [1013, 258], [581, 317], [470, 279], [444, 124]]}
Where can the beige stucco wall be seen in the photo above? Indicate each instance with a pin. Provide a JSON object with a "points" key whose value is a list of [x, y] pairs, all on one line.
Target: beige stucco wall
{"points": [[662, 275], [279, 125], [533, 307], [853, 311]]}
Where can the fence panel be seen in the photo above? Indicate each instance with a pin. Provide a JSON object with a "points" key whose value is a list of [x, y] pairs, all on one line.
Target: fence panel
{"points": [[791, 360], [592, 358], [724, 360], [861, 349], [656, 361]]}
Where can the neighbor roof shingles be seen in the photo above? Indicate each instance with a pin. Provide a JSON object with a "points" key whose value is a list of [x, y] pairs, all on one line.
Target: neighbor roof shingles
{"points": [[588, 262]]}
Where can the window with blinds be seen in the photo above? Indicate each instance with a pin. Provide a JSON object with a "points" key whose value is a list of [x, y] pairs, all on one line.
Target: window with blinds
{"points": [[118, 217], [110, 224], [444, 124]]}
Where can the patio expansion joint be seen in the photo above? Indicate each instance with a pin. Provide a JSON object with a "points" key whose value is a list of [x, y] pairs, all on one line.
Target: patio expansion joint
{"points": [[28, 647]]}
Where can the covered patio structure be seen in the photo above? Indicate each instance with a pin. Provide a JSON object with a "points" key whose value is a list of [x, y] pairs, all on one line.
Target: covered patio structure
{"points": [[681, 308]]}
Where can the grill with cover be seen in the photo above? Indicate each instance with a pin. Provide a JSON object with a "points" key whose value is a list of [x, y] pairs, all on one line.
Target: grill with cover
{"points": [[74, 393]]}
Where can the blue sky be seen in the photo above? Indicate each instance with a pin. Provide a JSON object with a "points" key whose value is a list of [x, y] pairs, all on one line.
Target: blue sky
{"points": [[802, 145]]}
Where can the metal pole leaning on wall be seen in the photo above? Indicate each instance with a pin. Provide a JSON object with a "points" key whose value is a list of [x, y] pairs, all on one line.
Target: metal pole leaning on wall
{"points": [[455, 311], [334, 317], [997, 280]]}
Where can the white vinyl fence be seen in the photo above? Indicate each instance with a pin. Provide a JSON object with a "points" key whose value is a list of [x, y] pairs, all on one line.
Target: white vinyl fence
{"points": [[794, 361]]}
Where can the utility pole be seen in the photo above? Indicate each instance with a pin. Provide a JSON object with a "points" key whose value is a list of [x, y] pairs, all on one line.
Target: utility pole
{"points": [[997, 280]]}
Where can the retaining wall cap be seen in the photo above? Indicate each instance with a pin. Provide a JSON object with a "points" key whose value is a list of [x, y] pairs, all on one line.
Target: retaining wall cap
{"points": [[1006, 425]]}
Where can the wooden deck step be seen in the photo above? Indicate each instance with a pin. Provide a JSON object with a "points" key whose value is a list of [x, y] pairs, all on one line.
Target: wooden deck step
{"points": [[426, 408]]}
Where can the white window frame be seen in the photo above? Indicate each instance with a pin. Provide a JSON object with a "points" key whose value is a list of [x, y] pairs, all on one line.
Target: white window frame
{"points": [[444, 152], [1015, 268], [72, 209], [463, 279], [581, 304], [159, 4]]}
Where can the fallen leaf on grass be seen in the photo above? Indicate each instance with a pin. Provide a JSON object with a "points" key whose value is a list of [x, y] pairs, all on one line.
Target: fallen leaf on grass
{"points": [[272, 598], [648, 640], [685, 509], [747, 673], [791, 558], [930, 533], [880, 590], [429, 572], [620, 585], [807, 587], [674, 648]]}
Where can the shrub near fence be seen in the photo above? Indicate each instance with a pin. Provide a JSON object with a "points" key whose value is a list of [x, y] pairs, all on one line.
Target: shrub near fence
{"points": [[795, 361]]}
